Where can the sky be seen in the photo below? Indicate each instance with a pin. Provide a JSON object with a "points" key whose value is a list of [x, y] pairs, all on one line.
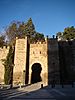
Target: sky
{"points": [[49, 16]]}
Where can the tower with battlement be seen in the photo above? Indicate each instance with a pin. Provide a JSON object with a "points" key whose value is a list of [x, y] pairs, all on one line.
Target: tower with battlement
{"points": [[35, 62], [45, 61]]}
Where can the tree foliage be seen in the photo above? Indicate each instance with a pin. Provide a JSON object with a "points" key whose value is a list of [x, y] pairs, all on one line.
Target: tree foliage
{"points": [[22, 29], [38, 37], [69, 33], [19, 29], [8, 65], [11, 32], [29, 28]]}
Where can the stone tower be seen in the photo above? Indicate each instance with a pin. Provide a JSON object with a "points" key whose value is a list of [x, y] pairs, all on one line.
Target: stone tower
{"points": [[20, 60], [36, 62]]}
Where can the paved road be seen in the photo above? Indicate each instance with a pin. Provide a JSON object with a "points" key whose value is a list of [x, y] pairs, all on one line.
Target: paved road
{"points": [[47, 93]]}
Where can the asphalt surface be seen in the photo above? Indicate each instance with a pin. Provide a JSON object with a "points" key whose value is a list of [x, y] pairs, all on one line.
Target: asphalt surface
{"points": [[46, 93]]}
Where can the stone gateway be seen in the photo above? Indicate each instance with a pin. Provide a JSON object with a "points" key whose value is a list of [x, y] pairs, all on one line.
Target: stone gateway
{"points": [[44, 61], [36, 62]]}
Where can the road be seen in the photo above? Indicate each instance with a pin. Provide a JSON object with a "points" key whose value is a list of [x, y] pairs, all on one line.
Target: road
{"points": [[46, 93]]}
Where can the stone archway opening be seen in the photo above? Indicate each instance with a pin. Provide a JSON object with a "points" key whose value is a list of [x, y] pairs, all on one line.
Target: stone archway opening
{"points": [[36, 71]]}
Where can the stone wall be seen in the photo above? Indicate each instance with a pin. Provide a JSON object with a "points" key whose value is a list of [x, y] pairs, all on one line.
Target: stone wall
{"points": [[44, 53], [67, 60], [20, 60], [53, 61], [3, 53], [54, 57], [38, 54]]}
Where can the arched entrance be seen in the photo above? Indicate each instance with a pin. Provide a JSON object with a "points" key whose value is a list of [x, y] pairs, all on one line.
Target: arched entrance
{"points": [[36, 71]]}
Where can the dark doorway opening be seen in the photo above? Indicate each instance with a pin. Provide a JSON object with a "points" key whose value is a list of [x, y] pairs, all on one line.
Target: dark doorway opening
{"points": [[36, 71]]}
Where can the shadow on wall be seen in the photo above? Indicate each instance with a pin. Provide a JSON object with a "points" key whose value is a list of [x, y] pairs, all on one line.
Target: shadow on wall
{"points": [[36, 71]]}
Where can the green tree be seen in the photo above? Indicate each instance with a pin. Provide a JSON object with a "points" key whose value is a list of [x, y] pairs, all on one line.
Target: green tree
{"points": [[8, 65], [29, 28], [38, 37], [22, 29], [69, 33]]}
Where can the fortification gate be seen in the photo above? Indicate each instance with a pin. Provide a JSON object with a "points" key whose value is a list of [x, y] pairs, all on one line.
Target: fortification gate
{"points": [[40, 61], [33, 62], [39, 55]]}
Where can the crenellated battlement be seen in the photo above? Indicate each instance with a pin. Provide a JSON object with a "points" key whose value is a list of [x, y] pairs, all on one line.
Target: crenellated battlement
{"points": [[39, 42], [4, 47], [28, 53], [49, 53], [47, 38]]}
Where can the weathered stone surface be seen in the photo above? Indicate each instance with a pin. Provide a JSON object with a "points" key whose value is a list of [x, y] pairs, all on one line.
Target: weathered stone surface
{"points": [[53, 56], [38, 54], [44, 53], [19, 59], [3, 53]]}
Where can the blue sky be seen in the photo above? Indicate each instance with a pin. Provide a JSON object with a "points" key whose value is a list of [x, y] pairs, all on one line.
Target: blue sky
{"points": [[49, 16]]}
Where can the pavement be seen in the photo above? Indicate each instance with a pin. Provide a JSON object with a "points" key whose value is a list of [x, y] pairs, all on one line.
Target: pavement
{"points": [[35, 92]]}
